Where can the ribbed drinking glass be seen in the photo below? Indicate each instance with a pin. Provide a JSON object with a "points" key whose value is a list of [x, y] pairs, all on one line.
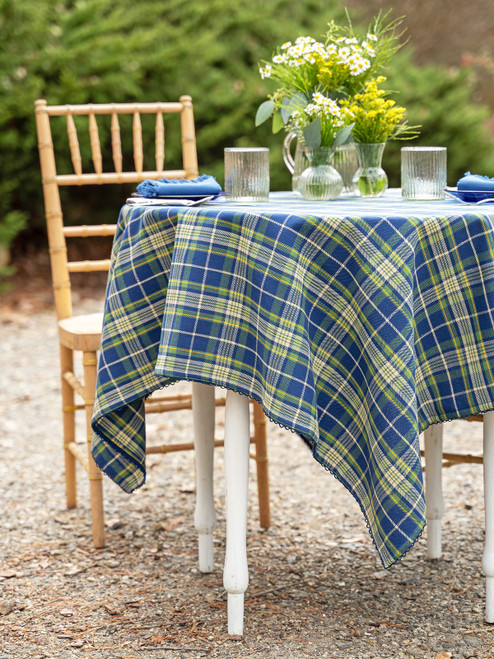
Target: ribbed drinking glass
{"points": [[423, 172], [246, 173]]}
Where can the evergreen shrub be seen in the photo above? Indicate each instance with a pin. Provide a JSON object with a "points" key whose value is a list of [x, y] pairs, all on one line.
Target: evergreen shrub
{"points": [[81, 51]]}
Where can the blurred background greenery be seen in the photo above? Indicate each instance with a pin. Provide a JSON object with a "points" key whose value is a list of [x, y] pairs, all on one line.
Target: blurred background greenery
{"points": [[82, 51]]}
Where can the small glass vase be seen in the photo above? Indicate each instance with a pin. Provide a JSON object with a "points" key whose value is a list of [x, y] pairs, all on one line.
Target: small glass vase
{"points": [[346, 163], [320, 181], [370, 179]]}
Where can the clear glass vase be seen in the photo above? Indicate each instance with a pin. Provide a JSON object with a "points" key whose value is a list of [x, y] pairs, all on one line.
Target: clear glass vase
{"points": [[370, 179], [320, 181], [346, 163]]}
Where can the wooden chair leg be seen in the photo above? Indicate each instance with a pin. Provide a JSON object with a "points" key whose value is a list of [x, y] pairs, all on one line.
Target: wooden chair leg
{"points": [[95, 476], [433, 447], [262, 464], [68, 416]]}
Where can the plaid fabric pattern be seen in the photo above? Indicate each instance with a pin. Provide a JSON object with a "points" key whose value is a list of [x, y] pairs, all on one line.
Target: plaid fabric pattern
{"points": [[357, 325]]}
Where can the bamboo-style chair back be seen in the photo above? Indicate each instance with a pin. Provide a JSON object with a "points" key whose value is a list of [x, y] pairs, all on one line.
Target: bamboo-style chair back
{"points": [[52, 181]]}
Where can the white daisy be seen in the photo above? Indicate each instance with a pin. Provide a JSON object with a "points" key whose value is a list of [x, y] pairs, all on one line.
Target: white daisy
{"points": [[265, 71]]}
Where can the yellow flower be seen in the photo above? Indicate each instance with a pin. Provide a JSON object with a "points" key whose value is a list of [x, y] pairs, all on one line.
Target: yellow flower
{"points": [[377, 118]]}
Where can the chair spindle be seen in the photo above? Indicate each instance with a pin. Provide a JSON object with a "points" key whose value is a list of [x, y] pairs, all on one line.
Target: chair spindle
{"points": [[137, 134], [116, 143], [160, 142], [75, 153], [95, 144]]}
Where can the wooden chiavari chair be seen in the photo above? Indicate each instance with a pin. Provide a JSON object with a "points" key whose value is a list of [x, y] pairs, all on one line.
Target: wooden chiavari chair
{"points": [[82, 333]]}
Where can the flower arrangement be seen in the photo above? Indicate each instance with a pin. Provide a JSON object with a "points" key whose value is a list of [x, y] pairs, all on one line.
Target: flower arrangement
{"points": [[376, 118], [323, 84]]}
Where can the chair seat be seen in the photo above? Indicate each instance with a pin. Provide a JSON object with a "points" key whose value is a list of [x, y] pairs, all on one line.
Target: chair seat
{"points": [[81, 332]]}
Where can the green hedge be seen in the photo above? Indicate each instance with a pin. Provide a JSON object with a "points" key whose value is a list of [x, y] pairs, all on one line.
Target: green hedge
{"points": [[441, 101], [121, 50]]}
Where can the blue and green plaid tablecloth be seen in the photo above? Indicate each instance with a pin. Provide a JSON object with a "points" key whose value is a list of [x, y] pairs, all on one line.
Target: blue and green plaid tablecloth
{"points": [[357, 323]]}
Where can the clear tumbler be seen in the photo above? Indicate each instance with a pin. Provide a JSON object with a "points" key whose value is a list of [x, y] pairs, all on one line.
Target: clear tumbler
{"points": [[423, 172], [246, 173]]}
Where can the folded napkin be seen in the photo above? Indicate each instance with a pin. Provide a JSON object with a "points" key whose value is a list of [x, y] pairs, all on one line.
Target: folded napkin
{"points": [[166, 187], [476, 182]]}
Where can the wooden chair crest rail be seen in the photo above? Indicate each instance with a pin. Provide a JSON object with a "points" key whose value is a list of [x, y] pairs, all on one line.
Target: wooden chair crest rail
{"points": [[82, 333]]}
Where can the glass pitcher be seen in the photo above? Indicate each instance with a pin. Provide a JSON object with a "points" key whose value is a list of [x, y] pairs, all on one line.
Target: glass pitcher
{"points": [[345, 161], [295, 165]]}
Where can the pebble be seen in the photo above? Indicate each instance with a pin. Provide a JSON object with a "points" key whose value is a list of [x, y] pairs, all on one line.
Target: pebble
{"points": [[6, 608]]}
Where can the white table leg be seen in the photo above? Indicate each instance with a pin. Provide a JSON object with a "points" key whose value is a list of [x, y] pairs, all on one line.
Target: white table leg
{"points": [[488, 557], [433, 445], [235, 574], [203, 409]]}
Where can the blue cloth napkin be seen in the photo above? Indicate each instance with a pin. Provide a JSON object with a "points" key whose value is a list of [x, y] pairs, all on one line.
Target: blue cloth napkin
{"points": [[165, 187], [475, 182]]}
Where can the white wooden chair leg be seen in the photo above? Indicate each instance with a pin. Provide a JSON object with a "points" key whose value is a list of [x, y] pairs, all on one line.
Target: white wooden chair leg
{"points": [[433, 446], [488, 557], [203, 408], [235, 574]]}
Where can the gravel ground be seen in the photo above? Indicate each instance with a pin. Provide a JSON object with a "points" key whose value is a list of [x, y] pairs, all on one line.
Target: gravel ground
{"points": [[317, 588]]}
